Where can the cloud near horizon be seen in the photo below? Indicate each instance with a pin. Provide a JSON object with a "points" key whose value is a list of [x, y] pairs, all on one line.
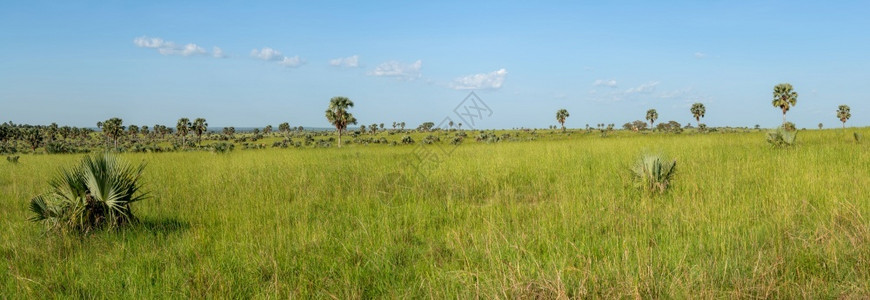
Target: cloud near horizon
{"points": [[347, 62], [269, 54], [398, 70], [169, 48], [482, 81]]}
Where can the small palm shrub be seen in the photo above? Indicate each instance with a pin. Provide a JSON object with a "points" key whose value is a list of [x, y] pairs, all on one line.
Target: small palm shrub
{"points": [[653, 172], [96, 194], [782, 137], [855, 135], [456, 140], [224, 147], [12, 159], [407, 140]]}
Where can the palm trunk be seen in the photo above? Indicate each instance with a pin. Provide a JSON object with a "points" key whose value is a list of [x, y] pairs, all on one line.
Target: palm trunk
{"points": [[339, 137]]}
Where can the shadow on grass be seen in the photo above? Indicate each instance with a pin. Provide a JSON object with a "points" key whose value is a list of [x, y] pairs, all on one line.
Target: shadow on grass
{"points": [[162, 226]]}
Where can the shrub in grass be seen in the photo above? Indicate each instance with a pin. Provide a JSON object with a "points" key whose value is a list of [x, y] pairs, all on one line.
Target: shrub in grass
{"points": [[654, 172], [95, 194], [407, 140], [12, 159], [782, 137], [224, 147], [855, 135]]}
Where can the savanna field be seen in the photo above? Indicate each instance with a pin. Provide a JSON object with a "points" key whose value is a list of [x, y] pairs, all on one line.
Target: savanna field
{"points": [[554, 217]]}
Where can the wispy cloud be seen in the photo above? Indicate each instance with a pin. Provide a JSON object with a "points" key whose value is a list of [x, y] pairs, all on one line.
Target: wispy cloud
{"points": [[269, 54], [398, 70], [483, 81], [645, 88], [608, 83], [217, 52], [700, 55], [169, 48], [347, 62]]}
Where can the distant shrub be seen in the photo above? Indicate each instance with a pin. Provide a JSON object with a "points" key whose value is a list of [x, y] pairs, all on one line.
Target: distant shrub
{"points": [[59, 147], [222, 147], [456, 140], [653, 172], [789, 126], [407, 140], [12, 159], [857, 137], [782, 137], [431, 139], [96, 194]]}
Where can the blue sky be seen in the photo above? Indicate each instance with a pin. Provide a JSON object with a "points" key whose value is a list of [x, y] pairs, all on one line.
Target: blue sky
{"points": [[151, 62]]}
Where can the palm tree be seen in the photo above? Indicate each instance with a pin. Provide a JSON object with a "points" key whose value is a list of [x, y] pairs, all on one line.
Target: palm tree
{"points": [[199, 127], [561, 115], [183, 127], [844, 113], [784, 97], [267, 129], [113, 129], [338, 116], [698, 111], [450, 124], [95, 194], [651, 116]]}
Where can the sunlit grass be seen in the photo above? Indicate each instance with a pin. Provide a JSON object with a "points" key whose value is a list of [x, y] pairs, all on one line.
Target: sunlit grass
{"points": [[559, 216]]}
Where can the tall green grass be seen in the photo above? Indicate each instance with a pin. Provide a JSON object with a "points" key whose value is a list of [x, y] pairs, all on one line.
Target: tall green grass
{"points": [[550, 218]]}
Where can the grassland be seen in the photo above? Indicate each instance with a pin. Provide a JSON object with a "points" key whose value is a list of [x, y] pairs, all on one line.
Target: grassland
{"points": [[556, 217]]}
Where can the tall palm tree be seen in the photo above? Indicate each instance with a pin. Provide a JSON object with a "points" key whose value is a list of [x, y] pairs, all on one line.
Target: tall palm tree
{"points": [[199, 127], [784, 97], [561, 115], [844, 113], [651, 116], [113, 129], [337, 114], [183, 127], [698, 111]]}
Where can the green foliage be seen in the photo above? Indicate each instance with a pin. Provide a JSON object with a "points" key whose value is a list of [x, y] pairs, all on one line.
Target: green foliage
{"points": [[857, 137], [844, 113], [561, 115], [12, 159], [653, 172], [652, 115], [96, 194], [784, 97], [782, 137], [222, 147], [431, 139], [407, 140]]}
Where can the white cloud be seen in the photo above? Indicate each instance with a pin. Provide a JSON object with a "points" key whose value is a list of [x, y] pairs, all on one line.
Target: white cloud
{"points": [[218, 53], [700, 55], [645, 88], [398, 70], [269, 54], [291, 61], [349, 62], [157, 43], [483, 81], [167, 47], [608, 83]]}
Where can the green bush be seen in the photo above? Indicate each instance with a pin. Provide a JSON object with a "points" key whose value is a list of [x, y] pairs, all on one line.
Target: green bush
{"points": [[653, 172], [782, 137], [96, 194]]}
